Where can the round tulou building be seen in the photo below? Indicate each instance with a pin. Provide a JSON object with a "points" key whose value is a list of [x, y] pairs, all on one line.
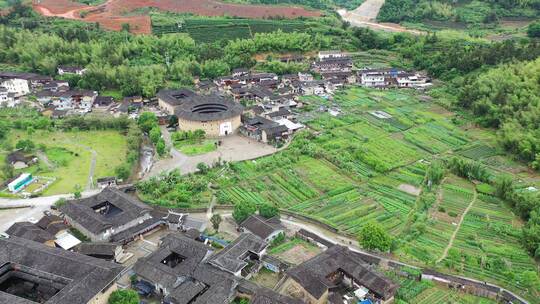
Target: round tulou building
{"points": [[215, 114]]}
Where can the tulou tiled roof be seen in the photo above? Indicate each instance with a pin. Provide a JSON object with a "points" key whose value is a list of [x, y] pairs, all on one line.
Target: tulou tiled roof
{"points": [[192, 280], [84, 276], [81, 211]]}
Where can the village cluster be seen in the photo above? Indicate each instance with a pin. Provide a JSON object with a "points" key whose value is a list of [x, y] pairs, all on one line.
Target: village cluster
{"points": [[258, 105], [44, 261]]}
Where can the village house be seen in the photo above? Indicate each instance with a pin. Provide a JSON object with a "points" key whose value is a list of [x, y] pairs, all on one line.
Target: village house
{"points": [[65, 69], [19, 87], [168, 99], [179, 272], [35, 273], [105, 251], [7, 99], [19, 160], [104, 215], [177, 221], [242, 256], [49, 230], [326, 277], [103, 101], [30, 231], [324, 55], [56, 86], [109, 181], [316, 87], [292, 59], [266, 229], [264, 130], [268, 296]]}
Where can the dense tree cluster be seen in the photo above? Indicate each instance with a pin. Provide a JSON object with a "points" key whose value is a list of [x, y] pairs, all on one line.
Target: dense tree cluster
{"points": [[508, 98], [474, 12]]}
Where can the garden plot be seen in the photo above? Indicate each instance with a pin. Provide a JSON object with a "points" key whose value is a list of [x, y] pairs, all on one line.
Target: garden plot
{"points": [[479, 151], [295, 251], [436, 137], [320, 175], [488, 245], [441, 295]]}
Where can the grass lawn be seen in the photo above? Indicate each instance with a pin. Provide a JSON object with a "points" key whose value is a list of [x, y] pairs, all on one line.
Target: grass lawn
{"points": [[196, 147], [71, 156]]}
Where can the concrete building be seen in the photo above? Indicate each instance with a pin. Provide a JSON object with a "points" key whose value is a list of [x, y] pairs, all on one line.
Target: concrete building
{"points": [[17, 86]]}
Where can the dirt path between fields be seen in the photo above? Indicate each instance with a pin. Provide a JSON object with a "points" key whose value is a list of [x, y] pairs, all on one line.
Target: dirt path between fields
{"points": [[451, 242]]}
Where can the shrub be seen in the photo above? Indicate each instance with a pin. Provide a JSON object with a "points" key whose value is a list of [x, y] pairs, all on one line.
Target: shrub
{"points": [[124, 297]]}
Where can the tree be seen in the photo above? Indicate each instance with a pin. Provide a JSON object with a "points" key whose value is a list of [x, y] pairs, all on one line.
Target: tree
{"points": [[215, 220], [434, 174], [202, 167], [374, 237], [268, 211], [126, 27], [77, 193], [26, 145], [123, 172], [160, 147], [533, 30], [155, 134], [8, 171], [147, 121], [126, 296], [242, 210], [60, 202]]}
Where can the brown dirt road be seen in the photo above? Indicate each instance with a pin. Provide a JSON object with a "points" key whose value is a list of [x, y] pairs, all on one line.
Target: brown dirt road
{"points": [[366, 14]]}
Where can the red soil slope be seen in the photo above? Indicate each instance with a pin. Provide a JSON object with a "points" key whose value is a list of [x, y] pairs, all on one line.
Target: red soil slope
{"points": [[112, 14]]}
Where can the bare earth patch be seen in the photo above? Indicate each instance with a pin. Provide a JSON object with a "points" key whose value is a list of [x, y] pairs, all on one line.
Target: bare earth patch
{"points": [[410, 189], [112, 14], [298, 254]]}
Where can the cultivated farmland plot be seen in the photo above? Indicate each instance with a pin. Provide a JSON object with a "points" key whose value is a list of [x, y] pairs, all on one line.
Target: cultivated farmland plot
{"points": [[352, 168]]}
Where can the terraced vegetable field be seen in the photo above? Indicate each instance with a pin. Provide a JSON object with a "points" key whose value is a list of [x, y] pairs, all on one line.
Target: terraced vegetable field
{"points": [[370, 163], [205, 29]]}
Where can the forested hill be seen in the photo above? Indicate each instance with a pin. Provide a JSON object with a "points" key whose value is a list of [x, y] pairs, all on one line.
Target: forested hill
{"points": [[469, 12], [317, 4]]}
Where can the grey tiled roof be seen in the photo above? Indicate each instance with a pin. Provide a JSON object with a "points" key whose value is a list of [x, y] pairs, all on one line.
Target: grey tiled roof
{"points": [[260, 226], [85, 276], [81, 210], [313, 274], [29, 231], [268, 296], [191, 280], [231, 258]]}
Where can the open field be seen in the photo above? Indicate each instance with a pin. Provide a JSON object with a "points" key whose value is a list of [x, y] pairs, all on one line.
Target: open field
{"points": [[114, 13], [70, 156]]}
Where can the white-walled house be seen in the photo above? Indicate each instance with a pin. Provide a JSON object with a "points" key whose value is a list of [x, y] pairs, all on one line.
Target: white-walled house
{"points": [[17, 86]]}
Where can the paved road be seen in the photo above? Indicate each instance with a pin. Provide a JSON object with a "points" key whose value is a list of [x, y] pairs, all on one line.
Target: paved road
{"points": [[34, 208], [232, 148]]}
